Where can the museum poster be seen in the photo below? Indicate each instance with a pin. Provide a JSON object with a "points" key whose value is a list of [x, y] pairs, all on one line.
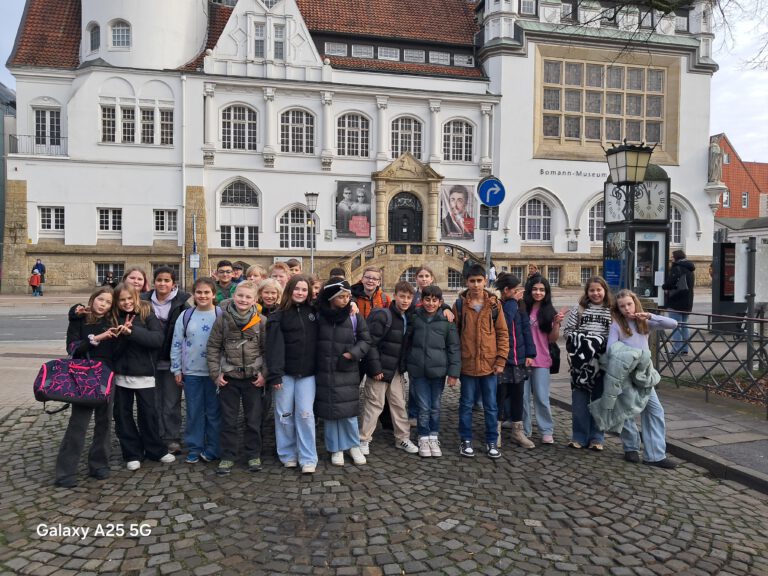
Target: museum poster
{"points": [[353, 209], [457, 209]]}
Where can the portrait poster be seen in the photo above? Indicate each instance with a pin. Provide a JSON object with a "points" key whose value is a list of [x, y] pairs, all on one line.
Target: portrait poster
{"points": [[353, 209], [457, 209]]}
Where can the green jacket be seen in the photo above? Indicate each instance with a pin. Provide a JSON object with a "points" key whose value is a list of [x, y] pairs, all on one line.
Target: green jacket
{"points": [[224, 293]]}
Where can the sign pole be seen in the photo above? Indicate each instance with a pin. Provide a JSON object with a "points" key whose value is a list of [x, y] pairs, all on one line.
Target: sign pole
{"points": [[491, 192]]}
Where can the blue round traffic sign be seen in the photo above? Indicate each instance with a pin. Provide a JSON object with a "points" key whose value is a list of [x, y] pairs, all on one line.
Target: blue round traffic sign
{"points": [[491, 191]]}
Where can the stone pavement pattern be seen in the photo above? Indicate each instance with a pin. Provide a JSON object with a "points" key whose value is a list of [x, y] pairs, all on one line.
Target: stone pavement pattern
{"points": [[551, 510]]}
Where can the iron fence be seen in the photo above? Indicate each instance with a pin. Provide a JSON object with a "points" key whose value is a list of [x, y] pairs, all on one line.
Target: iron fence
{"points": [[726, 355]]}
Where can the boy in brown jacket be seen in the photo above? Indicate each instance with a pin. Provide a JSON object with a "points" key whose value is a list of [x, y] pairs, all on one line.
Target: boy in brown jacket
{"points": [[484, 350]]}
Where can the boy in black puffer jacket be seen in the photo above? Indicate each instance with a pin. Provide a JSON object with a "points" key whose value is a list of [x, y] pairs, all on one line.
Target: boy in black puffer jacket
{"points": [[382, 365]]}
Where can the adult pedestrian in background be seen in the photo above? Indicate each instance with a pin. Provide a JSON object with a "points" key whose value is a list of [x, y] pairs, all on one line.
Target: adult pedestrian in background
{"points": [[40, 267], [678, 290]]}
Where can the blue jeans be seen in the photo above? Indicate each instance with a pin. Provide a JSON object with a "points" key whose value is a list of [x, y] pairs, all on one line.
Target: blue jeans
{"points": [[654, 431], [203, 416], [295, 420], [341, 434], [584, 429], [471, 387], [680, 335], [428, 393], [538, 383]]}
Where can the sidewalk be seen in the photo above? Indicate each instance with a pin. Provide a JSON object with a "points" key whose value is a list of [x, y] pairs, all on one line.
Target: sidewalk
{"points": [[726, 437]]}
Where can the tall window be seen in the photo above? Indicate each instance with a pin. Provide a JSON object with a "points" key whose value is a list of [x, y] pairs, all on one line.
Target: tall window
{"points": [[238, 128], [297, 132], [279, 52], [726, 198], [108, 124], [585, 101], [596, 222], [240, 236], [121, 34], [294, 232], [94, 37], [110, 219], [745, 199], [457, 141], [47, 127], [353, 135], [166, 127], [535, 221], [677, 226], [553, 275], [259, 35], [239, 193], [165, 221], [406, 137], [147, 125], [52, 219], [128, 123]]}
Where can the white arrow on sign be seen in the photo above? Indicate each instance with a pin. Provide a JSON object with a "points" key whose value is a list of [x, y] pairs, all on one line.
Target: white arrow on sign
{"points": [[492, 191]]}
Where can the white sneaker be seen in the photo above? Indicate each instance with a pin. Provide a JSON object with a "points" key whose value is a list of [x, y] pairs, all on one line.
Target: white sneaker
{"points": [[408, 446], [133, 465], [365, 448], [434, 447], [357, 455], [337, 458], [290, 464], [168, 458], [308, 468], [424, 449]]}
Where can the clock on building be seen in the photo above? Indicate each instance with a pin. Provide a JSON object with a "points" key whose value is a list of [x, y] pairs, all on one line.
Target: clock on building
{"points": [[652, 200], [614, 203]]}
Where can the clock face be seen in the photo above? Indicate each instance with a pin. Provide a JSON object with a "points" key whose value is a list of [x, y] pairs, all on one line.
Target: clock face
{"points": [[651, 198], [614, 203]]}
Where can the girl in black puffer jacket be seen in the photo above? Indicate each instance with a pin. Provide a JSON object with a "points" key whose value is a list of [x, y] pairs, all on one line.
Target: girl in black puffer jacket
{"points": [[341, 343], [139, 339], [291, 347]]}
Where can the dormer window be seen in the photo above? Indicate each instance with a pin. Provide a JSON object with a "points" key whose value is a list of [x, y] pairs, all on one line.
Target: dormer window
{"points": [[94, 37], [259, 39], [121, 34], [279, 45], [528, 7]]}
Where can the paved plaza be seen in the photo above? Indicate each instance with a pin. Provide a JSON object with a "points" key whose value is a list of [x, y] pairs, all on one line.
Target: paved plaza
{"points": [[551, 510]]}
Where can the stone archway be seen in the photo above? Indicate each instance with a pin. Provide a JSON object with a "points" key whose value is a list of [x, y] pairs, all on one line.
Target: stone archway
{"points": [[406, 218]]}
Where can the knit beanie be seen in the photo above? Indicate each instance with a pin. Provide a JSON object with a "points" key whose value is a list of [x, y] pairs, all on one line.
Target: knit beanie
{"points": [[336, 285]]}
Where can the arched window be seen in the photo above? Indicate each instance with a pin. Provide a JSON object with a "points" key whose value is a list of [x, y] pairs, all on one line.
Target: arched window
{"points": [[535, 221], [410, 275], [406, 137], [676, 221], [455, 280], [121, 34], [294, 232], [239, 193], [238, 128], [353, 135], [457, 141], [94, 37], [297, 132], [596, 221]]}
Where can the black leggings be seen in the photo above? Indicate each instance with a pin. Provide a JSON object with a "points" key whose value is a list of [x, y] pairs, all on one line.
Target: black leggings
{"points": [[509, 399]]}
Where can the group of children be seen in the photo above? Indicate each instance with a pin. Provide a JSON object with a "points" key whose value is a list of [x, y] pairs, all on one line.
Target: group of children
{"points": [[281, 340]]}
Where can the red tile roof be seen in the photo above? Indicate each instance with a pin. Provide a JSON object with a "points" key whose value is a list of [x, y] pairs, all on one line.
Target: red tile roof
{"points": [[218, 15], [759, 173], [49, 35], [403, 67], [444, 21]]}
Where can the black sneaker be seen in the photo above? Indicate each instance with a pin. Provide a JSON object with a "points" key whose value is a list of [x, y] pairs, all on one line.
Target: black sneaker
{"points": [[254, 465], [632, 456], [466, 449], [667, 464], [492, 451], [100, 474]]}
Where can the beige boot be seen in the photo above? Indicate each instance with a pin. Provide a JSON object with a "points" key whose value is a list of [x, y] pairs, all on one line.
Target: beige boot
{"points": [[498, 434], [519, 436]]}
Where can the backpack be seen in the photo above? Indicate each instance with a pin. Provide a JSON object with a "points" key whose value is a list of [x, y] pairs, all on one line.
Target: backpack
{"points": [[188, 316], [388, 317], [460, 305]]}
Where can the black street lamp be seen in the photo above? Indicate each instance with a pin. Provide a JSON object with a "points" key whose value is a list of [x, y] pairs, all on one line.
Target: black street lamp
{"points": [[627, 164], [311, 198]]}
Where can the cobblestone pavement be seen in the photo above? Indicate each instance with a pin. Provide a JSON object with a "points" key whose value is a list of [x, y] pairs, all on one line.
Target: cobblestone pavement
{"points": [[551, 510]]}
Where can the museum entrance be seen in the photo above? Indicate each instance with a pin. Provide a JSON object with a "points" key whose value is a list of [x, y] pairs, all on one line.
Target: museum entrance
{"points": [[405, 218]]}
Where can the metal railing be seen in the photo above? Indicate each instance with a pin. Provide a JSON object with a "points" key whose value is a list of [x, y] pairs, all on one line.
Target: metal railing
{"points": [[726, 356], [32, 145]]}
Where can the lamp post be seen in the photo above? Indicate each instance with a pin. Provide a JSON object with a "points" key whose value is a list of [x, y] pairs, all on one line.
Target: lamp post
{"points": [[627, 164], [311, 198]]}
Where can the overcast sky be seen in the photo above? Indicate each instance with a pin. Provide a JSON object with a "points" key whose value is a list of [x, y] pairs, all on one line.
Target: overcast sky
{"points": [[739, 95]]}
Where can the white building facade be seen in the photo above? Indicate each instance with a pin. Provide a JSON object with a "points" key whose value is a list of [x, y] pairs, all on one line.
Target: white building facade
{"points": [[145, 137]]}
